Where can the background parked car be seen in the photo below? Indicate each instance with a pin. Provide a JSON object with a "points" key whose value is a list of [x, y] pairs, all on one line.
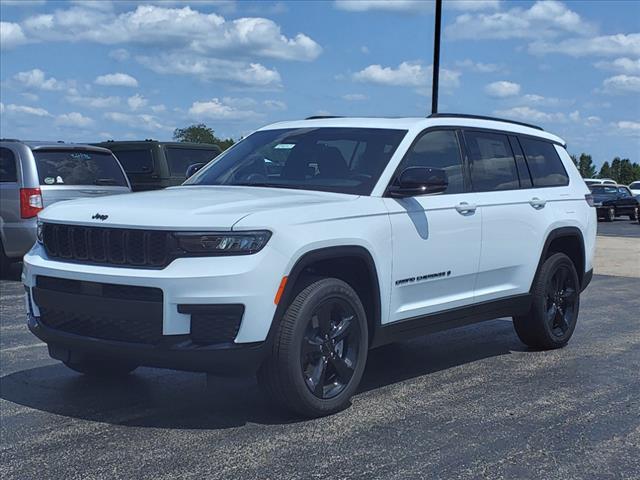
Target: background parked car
{"points": [[33, 175], [614, 200], [151, 165], [635, 187], [599, 181]]}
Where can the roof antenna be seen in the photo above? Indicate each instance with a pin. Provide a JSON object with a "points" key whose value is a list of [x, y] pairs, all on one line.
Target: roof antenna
{"points": [[436, 58]]}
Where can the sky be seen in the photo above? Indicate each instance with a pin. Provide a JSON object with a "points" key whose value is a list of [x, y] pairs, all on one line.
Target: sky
{"points": [[90, 71]]}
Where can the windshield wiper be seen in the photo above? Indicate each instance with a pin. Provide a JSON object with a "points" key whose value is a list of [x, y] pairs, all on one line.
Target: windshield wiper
{"points": [[105, 181], [265, 184]]}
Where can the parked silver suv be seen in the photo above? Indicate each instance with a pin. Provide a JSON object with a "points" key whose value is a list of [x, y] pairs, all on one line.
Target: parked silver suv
{"points": [[34, 175]]}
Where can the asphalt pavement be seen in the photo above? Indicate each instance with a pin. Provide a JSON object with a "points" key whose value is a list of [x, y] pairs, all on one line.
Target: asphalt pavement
{"points": [[468, 403], [620, 227]]}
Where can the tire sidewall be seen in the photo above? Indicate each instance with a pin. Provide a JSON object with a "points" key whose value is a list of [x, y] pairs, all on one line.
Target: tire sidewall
{"points": [[549, 268], [321, 291]]}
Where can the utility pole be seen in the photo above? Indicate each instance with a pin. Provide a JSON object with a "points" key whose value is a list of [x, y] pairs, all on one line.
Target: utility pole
{"points": [[436, 58]]}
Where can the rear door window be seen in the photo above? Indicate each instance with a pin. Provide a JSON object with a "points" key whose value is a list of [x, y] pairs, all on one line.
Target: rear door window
{"points": [[8, 171], [544, 163], [78, 167], [493, 166], [135, 161], [181, 158]]}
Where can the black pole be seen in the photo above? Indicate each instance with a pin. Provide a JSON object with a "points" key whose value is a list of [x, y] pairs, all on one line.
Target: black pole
{"points": [[436, 58]]}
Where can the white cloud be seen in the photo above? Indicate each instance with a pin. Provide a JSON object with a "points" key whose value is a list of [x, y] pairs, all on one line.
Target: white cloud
{"points": [[275, 105], [502, 89], [158, 108], [218, 110], [622, 84], [119, 54], [116, 80], [529, 114], [478, 66], [31, 97], [178, 28], [535, 99], [354, 97], [136, 101], [411, 6], [24, 109], [213, 69], [543, 19], [73, 119], [11, 35], [407, 74], [144, 122], [94, 102], [622, 64], [605, 45], [36, 78], [628, 127]]}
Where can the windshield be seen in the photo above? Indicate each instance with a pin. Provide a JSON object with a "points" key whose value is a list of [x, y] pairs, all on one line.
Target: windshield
{"points": [[604, 190], [78, 167], [635, 186], [344, 160]]}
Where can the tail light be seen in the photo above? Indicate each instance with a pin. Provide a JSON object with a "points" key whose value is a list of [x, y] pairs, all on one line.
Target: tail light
{"points": [[30, 202], [589, 198]]}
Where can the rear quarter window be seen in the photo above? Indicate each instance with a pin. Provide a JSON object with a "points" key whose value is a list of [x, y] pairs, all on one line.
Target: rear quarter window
{"points": [[544, 163], [8, 170], [181, 158], [135, 161]]}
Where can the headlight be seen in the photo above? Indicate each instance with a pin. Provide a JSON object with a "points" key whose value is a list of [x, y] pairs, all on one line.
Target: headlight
{"points": [[223, 243], [39, 232]]}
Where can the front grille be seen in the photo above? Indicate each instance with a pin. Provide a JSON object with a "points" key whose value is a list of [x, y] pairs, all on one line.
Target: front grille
{"points": [[100, 310], [111, 246]]}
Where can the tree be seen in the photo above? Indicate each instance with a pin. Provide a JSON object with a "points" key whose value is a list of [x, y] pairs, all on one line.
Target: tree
{"points": [[605, 170], [200, 133], [615, 168], [585, 166], [626, 172], [574, 159]]}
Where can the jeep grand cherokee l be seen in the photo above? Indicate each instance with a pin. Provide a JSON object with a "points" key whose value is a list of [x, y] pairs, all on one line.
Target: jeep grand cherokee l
{"points": [[310, 242]]}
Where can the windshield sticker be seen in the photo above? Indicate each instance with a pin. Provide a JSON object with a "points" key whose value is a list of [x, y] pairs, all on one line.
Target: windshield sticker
{"points": [[284, 146], [59, 179], [49, 180], [80, 156]]}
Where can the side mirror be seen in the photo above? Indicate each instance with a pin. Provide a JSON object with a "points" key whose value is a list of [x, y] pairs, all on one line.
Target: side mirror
{"points": [[193, 168], [415, 181]]}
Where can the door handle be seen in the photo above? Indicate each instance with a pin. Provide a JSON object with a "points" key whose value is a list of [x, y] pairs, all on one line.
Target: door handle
{"points": [[537, 203], [465, 208]]}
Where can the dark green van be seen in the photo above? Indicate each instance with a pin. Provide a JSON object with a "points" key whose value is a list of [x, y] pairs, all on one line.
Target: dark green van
{"points": [[151, 165]]}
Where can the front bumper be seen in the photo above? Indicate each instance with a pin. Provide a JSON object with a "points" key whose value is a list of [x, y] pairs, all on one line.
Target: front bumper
{"points": [[177, 352]]}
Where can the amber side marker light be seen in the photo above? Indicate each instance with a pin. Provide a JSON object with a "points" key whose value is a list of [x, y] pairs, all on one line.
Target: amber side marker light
{"points": [[283, 283]]}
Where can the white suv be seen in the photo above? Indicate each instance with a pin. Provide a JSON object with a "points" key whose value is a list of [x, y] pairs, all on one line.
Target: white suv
{"points": [[310, 242]]}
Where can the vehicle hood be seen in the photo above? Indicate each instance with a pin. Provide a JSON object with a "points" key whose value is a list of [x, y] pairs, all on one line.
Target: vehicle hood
{"points": [[185, 208]]}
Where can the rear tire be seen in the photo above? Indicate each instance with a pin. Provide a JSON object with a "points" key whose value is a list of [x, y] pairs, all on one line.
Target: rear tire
{"points": [[610, 214], [555, 304], [5, 262], [101, 367], [634, 214], [319, 350]]}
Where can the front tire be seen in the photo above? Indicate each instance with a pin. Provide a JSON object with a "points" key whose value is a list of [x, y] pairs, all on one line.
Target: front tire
{"points": [[100, 367], [634, 214], [555, 304], [319, 350], [610, 214]]}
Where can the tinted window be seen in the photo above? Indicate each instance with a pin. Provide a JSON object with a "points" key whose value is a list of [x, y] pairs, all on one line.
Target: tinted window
{"points": [[78, 167], [135, 161], [493, 166], [305, 158], [438, 149], [544, 163], [523, 170], [603, 190], [624, 192], [635, 186], [180, 158], [8, 171]]}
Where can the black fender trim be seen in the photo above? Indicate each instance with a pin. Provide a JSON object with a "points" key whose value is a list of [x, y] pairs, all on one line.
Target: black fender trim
{"points": [[554, 235], [326, 254]]}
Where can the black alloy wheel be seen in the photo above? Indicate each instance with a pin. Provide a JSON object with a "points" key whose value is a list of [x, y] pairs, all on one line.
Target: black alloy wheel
{"points": [[562, 293], [330, 348]]}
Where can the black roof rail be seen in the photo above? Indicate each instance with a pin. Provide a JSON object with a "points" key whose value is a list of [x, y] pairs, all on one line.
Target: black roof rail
{"points": [[320, 117], [482, 117], [10, 140]]}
